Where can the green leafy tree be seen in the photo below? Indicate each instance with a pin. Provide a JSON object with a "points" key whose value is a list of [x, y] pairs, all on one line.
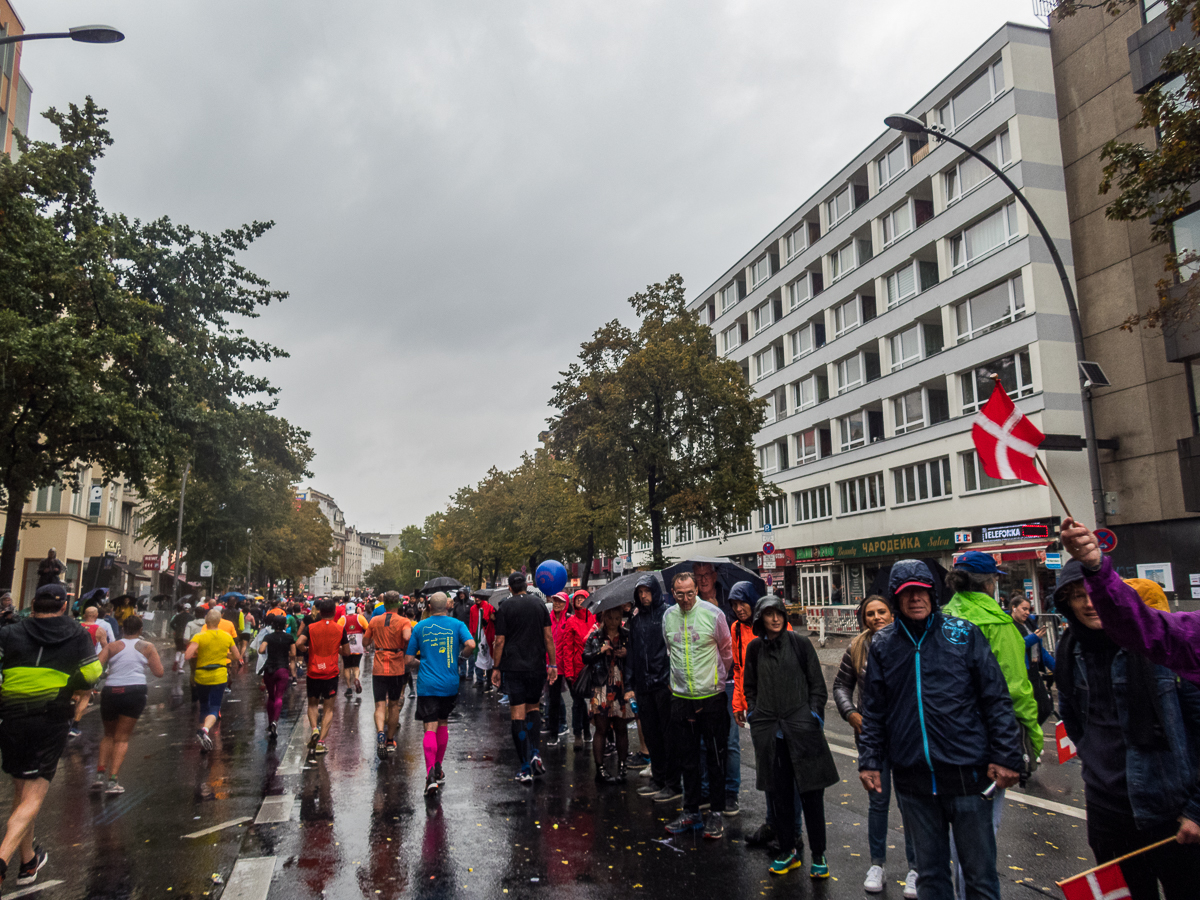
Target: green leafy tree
{"points": [[656, 413], [116, 345]]}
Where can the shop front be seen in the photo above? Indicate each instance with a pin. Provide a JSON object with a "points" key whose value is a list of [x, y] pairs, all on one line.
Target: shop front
{"points": [[1019, 548]]}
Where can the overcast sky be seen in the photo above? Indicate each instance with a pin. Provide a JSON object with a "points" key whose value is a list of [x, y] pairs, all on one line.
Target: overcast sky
{"points": [[464, 190]]}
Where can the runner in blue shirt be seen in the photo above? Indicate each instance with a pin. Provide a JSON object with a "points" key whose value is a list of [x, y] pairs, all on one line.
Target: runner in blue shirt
{"points": [[437, 641]]}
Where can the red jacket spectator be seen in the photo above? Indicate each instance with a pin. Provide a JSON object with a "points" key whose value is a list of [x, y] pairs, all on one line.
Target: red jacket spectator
{"points": [[574, 632], [485, 609]]}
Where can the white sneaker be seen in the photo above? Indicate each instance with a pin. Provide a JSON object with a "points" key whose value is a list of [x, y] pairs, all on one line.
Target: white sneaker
{"points": [[910, 884], [873, 883]]}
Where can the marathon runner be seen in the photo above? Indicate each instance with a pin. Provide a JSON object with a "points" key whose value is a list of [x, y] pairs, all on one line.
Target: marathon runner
{"points": [[438, 642], [278, 650], [123, 698], [98, 630], [324, 639], [388, 634], [213, 649], [355, 625]]}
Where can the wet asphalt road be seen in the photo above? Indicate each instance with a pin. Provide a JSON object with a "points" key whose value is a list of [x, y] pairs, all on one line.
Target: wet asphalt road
{"points": [[347, 825]]}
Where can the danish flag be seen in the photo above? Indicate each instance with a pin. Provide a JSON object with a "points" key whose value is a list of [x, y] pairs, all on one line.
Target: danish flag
{"points": [[1006, 440], [1104, 883]]}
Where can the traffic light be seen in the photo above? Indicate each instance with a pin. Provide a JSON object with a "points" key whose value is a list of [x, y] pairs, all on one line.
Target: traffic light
{"points": [[418, 575]]}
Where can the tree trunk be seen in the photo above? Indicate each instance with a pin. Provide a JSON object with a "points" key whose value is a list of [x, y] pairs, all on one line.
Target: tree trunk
{"points": [[655, 520], [16, 495], [589, 554]]}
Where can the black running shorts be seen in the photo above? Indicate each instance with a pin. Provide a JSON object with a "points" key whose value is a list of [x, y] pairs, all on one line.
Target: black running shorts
{"points": [[122, 701], [524, 687], [321, 688], [387, 687], [31, 745], [353, 661], [435, 709]]}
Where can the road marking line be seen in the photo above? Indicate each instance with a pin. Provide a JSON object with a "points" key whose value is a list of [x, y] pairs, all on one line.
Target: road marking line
{"points": [[1019, 797], [845, 751], [250, 879], [275, 809], [297, 749], [222, 826], [25, 892]]}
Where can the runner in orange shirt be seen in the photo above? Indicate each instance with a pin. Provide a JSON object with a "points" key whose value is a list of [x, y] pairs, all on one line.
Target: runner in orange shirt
{"points": [[325, 640], [355, 626], [388, 634]]}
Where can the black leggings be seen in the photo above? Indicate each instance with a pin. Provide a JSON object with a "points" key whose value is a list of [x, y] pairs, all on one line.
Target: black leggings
{"points": [[619, 732], [783, 801]]}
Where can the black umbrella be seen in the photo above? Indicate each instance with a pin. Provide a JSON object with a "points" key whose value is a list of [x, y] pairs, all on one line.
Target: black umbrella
{"points": [[441, 583], [485, 593], [619, 591], [729, 573]]}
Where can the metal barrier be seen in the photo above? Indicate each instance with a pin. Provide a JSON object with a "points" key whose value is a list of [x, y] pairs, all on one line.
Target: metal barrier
{"points": [[827, 620]]}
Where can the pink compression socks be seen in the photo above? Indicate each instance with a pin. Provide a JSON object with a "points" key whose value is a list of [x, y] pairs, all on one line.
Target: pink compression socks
{"points": [[443, 737], [430, 744]]}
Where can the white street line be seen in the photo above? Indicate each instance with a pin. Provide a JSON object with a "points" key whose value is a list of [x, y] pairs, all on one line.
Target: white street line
{"points": [[297, 749], [1019, 797], [25, 892], [250, 879], [275, 809], [222, 826], [845, 751]]}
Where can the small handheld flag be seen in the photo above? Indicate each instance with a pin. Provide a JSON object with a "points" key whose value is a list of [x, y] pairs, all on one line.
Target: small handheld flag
{"points": [[1006, 440], [1066, 746]]}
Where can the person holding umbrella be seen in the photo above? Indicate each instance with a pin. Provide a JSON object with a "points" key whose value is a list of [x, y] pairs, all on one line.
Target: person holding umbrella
{"points": [[606, 651]]}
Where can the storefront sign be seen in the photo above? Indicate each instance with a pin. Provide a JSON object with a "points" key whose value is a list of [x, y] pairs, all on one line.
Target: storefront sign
{"points": [[1022, 531], [895, 545], [151, 563]]}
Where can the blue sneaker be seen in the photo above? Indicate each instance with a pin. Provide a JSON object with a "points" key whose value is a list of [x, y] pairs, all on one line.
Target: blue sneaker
{"points": [[380, 744], [536, 764], [525, 776], [819, 868], [686, 822]]}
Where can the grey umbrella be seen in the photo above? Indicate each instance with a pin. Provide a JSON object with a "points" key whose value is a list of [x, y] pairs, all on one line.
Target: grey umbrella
{"points": [[729, 573], [620, 591], [441, 583]]}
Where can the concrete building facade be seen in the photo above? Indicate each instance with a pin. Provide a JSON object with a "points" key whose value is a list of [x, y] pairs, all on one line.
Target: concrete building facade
{"points": [[1101, 63], [872, 318]]}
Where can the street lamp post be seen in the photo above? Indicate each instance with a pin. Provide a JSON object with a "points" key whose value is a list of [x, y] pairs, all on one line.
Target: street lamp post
{"points": [[84, 34], [913, 125]]}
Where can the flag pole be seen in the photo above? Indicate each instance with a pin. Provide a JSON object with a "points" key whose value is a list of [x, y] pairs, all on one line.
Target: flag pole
{"points": [[1119, 859], [1054, 486]]}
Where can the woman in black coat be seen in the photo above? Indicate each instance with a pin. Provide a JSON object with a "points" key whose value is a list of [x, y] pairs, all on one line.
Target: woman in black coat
{"points": [[786, 694]]}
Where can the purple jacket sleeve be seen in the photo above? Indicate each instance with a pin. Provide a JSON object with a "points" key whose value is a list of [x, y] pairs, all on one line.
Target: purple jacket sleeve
{"points": [[1169, 639]]}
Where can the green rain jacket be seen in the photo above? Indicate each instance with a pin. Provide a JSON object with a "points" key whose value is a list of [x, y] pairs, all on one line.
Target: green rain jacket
{"points": [[1009, 649]]}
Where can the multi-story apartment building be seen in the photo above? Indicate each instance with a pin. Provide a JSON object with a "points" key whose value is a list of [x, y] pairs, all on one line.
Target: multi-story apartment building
{"points": [[872, 318], [331, 578], [1101, 63], [14, 90]]}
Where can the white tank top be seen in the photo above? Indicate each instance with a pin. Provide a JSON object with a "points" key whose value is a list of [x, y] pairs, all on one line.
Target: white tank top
{"points": [[127, 666]]}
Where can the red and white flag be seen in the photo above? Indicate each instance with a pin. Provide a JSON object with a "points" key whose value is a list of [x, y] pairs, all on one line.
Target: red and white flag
{"points": [[1006, 440], [1104, 883], [1066, 746]]}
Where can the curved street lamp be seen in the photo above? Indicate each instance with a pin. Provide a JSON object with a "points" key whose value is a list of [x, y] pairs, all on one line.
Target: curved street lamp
{"points": [[85, 34], [913, 125]]}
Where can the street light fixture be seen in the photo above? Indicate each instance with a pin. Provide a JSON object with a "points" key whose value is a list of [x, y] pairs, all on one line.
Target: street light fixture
{"points": [[913, 125], [85, 34]]}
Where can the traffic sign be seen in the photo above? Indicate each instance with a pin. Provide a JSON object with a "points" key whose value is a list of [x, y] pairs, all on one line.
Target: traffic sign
{"points": [[770, 580], [768, 548], [767, 527], [1053, 560], [1106, 539], [768, 561], [206, 569]]}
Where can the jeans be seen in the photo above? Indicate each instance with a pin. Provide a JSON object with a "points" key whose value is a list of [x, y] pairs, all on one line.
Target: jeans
{"points": [[654, 717], [696, 723], [877, 822], [276, 683], [928, 819], [960, 885], [1174, 865], [733, 752], [783, 802]]}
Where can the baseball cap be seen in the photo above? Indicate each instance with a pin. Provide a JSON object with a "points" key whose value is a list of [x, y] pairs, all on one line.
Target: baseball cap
{"points": [[977, 561], [517, 580], [52, 590]]}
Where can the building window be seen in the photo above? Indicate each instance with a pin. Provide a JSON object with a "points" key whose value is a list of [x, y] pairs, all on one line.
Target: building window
{"points": [[839, 206], [910, 412], [760, 271], [970, 172], [861, 494], [768, 459], [49, 499], [976, 480], [731, 339], [799, 292], [1152, 9], [1186, 237], [730, 296], [853, 430], [986, 235], [684, 534], [802, 341], [810, 391], [766, 362], [774, 513], [79, 495], [902, 285], [991, 309], [897, 223], [796, 241], [1016, 376], [813, 505], [762, 317], [915, 344], [808, 447], [850, 373], [891, 163], [841, 261], [923, 481], [847, 316], [974, 97]]}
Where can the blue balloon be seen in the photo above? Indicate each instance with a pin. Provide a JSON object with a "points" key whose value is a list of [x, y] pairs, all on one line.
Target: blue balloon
{"points": [[551, 577]]}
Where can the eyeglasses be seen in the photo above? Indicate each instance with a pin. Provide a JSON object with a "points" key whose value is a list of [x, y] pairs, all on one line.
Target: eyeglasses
{"points": [[685, 595]]}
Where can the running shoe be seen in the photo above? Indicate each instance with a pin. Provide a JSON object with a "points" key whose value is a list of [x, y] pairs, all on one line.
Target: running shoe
{"points": [[312, 740], [525, 776], [638, 761], [114, 788], [686, 822], [820, 868], [272, 731], [99, 783], [29, 871], [431, 784], [349, 693], [873, 883], [786, 863], [380, 744], [438, 774], [205, 740], [321, 748], [714, 828], [910, 885], [357, 685], [648, 790], [74, 732], [391, 746], [536, 764]]}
